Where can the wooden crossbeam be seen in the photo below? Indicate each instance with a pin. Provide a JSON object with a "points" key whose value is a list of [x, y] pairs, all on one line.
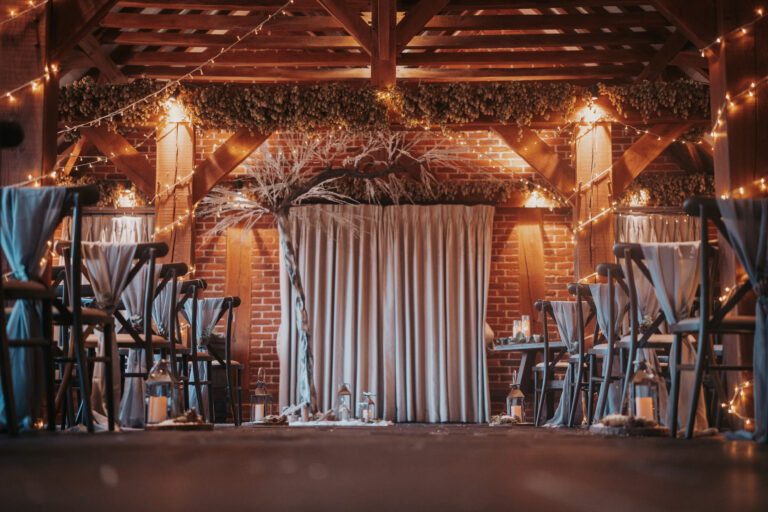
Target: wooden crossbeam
{"points": [[416, 18], [224, 160], [316, 58], [124, 156], [220, 73], [539, 155], [124, 21], [384, 59], [349, 42], [77, 148], [542, 21], [351, 21], [674, 43], [644, 151], [268, 5], [72, 20], [109, 70]]}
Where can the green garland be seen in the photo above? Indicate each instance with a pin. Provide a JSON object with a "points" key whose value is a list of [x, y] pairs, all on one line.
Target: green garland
{"points": [[339, 106], [109, 191], [682, 98], [656, 189]]}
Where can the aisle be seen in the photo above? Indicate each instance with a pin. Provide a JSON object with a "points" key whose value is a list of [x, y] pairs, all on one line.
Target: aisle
{"points": [[407, 467]]}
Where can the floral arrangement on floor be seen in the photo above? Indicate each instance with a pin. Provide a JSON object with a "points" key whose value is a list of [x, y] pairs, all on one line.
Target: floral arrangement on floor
{"points": [[654, 189], [334, 106]]}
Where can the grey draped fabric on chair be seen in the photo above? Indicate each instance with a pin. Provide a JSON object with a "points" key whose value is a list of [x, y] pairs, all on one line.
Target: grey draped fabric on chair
{"points": [[602, 299], [131, 411], [397, 301], [107, 266], [207, 314], [567, 322], [674, 269], [161, 306], [746, 221], [28, 218]]}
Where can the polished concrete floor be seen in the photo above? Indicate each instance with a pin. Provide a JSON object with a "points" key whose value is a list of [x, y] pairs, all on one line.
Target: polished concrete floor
{"points": [[405, 467]]}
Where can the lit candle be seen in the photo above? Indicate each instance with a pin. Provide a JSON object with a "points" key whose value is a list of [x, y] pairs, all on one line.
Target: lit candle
{"points": [[259, 416], [526, 325], [158, 409], [644, 407], [517, 412]]}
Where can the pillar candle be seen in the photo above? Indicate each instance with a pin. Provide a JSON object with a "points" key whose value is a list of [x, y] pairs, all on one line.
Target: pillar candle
{"points": [[259, 415], [517, 412], [644, 407], [157, 409]]}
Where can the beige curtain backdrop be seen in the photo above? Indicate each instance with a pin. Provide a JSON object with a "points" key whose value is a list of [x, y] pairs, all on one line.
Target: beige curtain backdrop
{"points": [[396, 299]]}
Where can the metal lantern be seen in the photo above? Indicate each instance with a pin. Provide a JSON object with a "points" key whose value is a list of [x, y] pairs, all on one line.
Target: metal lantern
{"points": [[162, 400], [261, 400], [516, 400], [367, 408], [646, 382], [344, 399]]}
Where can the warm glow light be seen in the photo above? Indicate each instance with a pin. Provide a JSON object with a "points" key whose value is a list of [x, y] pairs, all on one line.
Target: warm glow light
{"points": [[536, 200], [591, 114], [175, 111]]}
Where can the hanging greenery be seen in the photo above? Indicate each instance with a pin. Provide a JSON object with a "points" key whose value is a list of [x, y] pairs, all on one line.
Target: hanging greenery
{"points": [[682, 98], [655, 189], [340, 106], [109, 191]]}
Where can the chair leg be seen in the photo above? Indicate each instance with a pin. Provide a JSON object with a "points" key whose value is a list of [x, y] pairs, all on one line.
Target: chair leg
{"points": [[701, 362], [7, 383], [542, 396], [630, 371], [84, 377], [50, 367], [109, 360], [602, 397], [211, 412], [674, 368], [590, 388], [575, 396]]}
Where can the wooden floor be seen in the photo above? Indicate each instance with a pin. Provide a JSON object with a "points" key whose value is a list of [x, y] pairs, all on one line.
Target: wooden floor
{"points": [[407, 467]]}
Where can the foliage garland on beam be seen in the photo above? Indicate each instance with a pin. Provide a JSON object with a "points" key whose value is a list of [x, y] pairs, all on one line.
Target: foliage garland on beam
{"points": [[340, 106]]}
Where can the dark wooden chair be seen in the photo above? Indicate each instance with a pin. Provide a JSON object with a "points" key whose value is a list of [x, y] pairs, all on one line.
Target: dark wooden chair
{"points": [[549, 368], [581, 381], [43, 293]]}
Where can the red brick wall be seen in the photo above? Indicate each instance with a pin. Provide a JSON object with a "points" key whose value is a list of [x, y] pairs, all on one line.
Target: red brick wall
{"points": [[503, 294]]}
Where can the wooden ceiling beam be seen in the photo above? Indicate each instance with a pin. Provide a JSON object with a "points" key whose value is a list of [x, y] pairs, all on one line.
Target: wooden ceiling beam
{"points": [[217, 22], [539, 155], [351, 21], [425, 42], [72, 20], [416, 18], [655, 67], [690, 60], [218, 73], [644, 151], [544, 21], [314, 58], [300, 5], [124, 156], [224, 160], [698, 24], [109, 70]]}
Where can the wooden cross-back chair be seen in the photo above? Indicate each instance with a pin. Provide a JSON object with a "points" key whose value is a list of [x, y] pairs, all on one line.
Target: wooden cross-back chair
{"points": [[82, 319], [549, 364], [44, 293], [610, 348], [714, 319], [580, 383]]}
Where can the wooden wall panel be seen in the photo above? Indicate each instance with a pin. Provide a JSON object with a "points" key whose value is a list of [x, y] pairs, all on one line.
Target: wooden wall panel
{"points": [[530, 236], [240, 248]]}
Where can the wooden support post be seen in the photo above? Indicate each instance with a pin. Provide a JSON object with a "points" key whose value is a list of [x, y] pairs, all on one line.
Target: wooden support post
{"points": [[383, 60], [594, 242], [240, 246], [530, 240], [25, 47], [175, 161]]}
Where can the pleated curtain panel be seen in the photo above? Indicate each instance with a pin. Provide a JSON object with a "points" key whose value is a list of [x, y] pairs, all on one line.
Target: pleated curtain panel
{"points": [[396, 297]]}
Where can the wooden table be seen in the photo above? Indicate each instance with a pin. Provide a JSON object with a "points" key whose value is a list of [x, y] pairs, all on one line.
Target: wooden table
{"points": [[528, 359]]}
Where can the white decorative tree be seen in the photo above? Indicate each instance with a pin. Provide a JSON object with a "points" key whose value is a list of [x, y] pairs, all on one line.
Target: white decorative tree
{"points": [[300, 169]]}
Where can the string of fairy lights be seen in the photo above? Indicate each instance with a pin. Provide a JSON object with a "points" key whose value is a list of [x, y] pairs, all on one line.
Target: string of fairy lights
{"points": [[736, 402], [18, 13]]}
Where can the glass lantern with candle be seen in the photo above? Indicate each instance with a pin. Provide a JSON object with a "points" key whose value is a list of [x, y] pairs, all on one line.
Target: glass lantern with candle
{"points": [[344, 399], [516, 400], [367, 408], [261, 400], [161, 395], [525, 326], [645, 384]]}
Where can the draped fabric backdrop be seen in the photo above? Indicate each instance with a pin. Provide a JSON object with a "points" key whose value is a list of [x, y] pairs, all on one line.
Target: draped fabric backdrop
{"points": [[397, 299]]}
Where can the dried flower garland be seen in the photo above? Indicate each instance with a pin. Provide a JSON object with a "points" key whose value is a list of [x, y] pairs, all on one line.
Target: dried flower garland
{"points": [[109, 191], [655, 189], [340, 106]]}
